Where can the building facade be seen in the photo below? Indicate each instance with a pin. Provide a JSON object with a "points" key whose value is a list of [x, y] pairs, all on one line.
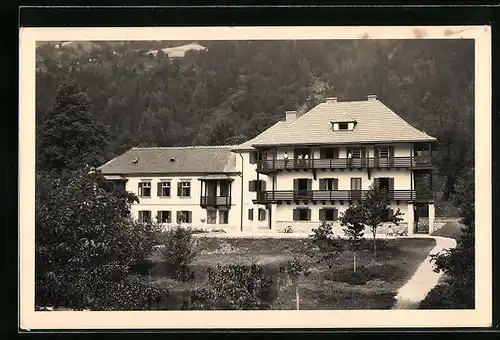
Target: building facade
{"points": [[301, 171]]}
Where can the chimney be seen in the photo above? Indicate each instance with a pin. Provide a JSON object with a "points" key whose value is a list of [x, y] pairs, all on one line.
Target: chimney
{"points": [[372, 97], [331, 99], [290, 115]]}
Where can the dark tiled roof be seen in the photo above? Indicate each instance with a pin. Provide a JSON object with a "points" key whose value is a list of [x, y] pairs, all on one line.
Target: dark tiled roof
{"points": [[192, 159]]}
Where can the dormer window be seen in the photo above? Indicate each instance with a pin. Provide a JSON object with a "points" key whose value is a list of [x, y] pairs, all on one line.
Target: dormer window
{"points": [[343, 122]]}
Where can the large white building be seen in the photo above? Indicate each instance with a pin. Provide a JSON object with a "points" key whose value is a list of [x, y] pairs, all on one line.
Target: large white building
{"points": [[299, 172]]}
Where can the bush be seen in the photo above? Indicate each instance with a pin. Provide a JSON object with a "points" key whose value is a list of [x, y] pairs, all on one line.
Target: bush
{"points": [[178, 252], [234, 287], [288, 230]]}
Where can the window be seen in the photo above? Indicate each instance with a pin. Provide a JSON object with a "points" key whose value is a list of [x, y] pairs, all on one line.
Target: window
{"points": [[255, 185], [329, 153], [343, 126], [250, 214], [253, 157], [328, 214], [211, 216], [223, 216], [356, 153], [164, 189], [329, 184], [384, 152], [302, 214], [164, 216], [144, 189], [184, 189], [184, 216], [262, 214], [144, 216]]}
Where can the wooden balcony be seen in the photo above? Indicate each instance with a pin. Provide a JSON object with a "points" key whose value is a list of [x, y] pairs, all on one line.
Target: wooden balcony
{"points": [[323, 196], [215, 201], [275, 165]]}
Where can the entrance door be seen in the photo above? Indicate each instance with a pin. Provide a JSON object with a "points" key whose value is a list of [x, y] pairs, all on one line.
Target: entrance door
{"points": [[356, 188]]}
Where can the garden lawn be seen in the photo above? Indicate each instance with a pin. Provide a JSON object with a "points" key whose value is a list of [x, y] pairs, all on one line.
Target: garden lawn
{"points": [[374, 287]]}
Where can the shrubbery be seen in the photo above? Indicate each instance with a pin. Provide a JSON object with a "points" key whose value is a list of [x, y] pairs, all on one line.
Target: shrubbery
{"points": [[458, 264], [234, 287], [179, 250], [86, 245]]}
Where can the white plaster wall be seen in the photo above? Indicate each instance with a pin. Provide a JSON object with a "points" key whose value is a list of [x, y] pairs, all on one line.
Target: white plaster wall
{"points": [[402, 179], [284, 217], [249, 174], [175, 203]]}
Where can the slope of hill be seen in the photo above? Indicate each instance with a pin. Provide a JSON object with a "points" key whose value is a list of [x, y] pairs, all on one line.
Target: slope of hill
{"points": [[236, 89]]}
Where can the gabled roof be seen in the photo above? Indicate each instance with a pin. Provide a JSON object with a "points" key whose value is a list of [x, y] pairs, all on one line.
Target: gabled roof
{"points": [[276, 128], [375, 123], [171, 160]]}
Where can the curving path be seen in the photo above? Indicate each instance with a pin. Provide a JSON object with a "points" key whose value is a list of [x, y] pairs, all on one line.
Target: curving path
{"points": [[424, 278]]}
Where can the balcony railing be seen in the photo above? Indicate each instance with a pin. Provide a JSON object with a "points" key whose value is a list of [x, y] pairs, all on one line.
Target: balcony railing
{"points": [[215, 201], [264, 197], [269, 165]]}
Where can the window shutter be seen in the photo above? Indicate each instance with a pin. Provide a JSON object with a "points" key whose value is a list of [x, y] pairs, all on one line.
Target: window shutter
{"points": [[178, 217], [335, 214], [253, 157], [262, 185], [376, 152], [158, 189], [376, 181], [321, 214], [295, 214], [250, 214], [335, 153], [189, 217], [179, 189], [391, 183], [363, 152], [335, 184], [158, 216], [139, 193], [322, 185], [308, 214], [295, 184], [309, 184], [263, 214], [391, 151], [322, 153], [251, 185]]}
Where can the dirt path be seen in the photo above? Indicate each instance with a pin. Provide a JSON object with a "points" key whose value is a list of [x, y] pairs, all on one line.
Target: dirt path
{"points": [[424, 279]]}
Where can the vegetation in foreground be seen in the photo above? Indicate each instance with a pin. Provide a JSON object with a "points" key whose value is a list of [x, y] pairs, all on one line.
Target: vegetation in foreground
{"points": [[458, 264], [248, 265]]}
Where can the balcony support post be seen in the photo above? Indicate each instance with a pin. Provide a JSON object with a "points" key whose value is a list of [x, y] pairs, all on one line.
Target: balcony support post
{"points": [[410, 218]]}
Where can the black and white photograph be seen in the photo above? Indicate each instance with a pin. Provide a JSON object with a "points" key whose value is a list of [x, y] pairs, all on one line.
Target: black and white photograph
{"points": [[193, 173]]}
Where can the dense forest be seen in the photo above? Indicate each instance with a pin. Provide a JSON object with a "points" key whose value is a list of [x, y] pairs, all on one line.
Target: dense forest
{"points": [[236, 89]]}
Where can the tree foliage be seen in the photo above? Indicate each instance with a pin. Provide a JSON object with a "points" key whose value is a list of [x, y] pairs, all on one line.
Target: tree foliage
{"points": [[353, 221], [179, 250], [69, 138], [374, 208], [234, 287], [457, 264], [85, 245]]}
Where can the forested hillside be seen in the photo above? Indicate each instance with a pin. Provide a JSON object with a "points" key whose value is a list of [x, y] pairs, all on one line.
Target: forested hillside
{"points": [[236, 89]]}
